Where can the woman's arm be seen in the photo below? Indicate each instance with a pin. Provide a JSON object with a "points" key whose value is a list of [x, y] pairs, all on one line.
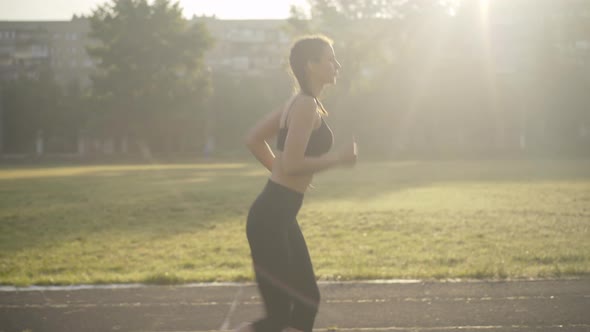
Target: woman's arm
{"points": [[294, 161], [256, 138]]}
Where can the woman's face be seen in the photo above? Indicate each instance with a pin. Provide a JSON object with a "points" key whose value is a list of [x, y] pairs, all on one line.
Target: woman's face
{"points": [[326, 69]]}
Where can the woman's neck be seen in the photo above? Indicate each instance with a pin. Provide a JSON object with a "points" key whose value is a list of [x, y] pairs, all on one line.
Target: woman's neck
{"points": [[315, 88]]}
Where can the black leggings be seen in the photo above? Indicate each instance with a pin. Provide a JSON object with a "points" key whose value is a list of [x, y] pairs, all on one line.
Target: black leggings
{"points": [[282, 265]]}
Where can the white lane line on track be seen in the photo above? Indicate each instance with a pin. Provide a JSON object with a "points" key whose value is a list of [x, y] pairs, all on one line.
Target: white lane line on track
{"points": [[232, 308], [321, 282], [236, 302], [423, 328]]}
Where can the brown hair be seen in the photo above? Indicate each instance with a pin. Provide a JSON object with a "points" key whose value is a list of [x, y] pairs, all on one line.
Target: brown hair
{"points": [[305, 49]]}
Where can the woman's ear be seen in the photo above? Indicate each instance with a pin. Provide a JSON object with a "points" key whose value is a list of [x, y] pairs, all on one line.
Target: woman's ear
{"points": [[310, 66]]}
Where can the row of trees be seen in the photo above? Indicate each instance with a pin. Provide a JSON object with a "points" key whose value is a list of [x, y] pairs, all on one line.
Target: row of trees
{"points": [[445, 77], [149, 91], [35, 108], [423, 76]]}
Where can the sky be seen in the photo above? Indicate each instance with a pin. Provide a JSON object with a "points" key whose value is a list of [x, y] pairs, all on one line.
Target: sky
{"points": [[39, 10]]}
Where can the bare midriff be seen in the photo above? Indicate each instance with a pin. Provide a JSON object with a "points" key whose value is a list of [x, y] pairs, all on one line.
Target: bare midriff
{"points": [[298, 183]]}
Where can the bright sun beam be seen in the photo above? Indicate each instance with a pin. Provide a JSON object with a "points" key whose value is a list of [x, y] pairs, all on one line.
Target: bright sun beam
{"points": [[488, 62], [423, 76]]}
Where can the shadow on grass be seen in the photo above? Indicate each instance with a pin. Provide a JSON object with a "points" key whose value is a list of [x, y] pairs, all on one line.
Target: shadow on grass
{"points": [[370, 181], [147, 203], [165, 200]]}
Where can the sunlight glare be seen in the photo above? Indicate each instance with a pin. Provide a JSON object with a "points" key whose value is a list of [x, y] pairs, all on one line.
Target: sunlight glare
{"points": [[230, 9], [423, 77], [484, 9], [484, 21]]}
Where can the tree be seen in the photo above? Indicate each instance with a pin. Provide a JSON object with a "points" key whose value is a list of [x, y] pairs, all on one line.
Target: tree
{"points": [[239, 101], [464, 76], [151, 83], [31, 108]]}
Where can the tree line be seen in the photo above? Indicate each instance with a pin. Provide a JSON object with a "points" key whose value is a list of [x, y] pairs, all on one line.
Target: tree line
{"points": [[420, 78]]}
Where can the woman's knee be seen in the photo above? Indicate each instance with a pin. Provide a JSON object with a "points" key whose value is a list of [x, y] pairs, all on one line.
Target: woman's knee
{"points": [[313, 297], [316, 294]]}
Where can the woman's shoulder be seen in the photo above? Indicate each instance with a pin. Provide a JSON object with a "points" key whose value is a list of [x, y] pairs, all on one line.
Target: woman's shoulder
{"points": [[304, 103], [301, 106]]}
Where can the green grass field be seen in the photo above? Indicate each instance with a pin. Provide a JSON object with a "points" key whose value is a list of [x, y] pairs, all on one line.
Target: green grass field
{"points": [[186, 223]]}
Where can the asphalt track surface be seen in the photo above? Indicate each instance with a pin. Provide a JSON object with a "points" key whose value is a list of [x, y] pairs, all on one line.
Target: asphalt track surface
{"points": [[536, 305]]}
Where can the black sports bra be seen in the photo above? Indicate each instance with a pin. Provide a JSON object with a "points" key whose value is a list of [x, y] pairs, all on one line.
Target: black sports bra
{"points": [[320, 140]]}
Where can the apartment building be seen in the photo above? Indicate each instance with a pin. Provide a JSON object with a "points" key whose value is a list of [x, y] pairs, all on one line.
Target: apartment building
{"points": [[23, 51], [247, 46], [27, 48]]}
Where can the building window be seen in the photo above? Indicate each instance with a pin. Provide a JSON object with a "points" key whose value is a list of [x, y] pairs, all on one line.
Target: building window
{"points": [[39, 50], [240, 63]]}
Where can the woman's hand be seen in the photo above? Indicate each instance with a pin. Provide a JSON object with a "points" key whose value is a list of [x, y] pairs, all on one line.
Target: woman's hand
{"points": [[347, 155]]}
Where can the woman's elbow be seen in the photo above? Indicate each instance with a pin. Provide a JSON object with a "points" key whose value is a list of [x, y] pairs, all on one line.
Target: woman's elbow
{"points": [[249, 141]]}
